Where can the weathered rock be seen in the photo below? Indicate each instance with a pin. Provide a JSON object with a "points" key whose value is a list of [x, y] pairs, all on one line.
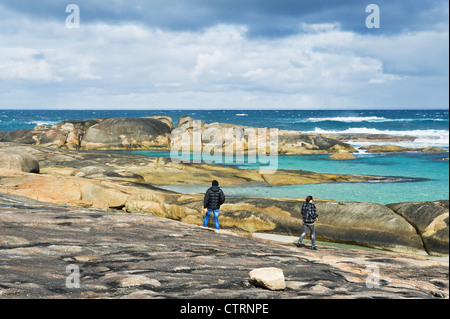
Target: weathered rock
{"points": [[106, 173], [375, 224], [53, 138], [270, 278], [192, 135], [113, 133], [365, 224], [386, 149], [434, 150], [74, 137], [165, 119], [137, 280], [159, 258], [431, 220], [364, 137], [19, 161], [186, 122], [107, 190], [121, 182], [397, 149], [63, 134], [23, 136], [342, 156], [127, 133], [162, 171]]}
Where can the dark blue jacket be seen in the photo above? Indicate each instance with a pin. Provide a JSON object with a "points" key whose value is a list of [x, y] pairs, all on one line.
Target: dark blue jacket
{"points": [[214, 197]]}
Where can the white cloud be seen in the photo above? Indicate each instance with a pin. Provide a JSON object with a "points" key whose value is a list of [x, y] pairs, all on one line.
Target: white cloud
{"points": [[20, 64], [121, 65]]}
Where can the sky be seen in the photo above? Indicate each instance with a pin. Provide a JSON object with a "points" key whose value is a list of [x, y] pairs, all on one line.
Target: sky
{"points": [[224, 54]]}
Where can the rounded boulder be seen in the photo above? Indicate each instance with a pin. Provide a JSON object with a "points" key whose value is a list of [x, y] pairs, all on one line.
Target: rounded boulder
{"points": [[19, 162]]}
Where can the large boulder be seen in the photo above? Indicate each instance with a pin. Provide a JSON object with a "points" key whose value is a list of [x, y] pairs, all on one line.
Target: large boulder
{"points": [[431, 220], [107, 134], [294, 143], [366, 224], [16, 161], [127, 133], [48, 136], [342, 156], [23, 136], [195, 135]]}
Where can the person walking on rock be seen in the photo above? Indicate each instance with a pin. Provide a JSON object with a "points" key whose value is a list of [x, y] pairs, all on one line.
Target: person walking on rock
{"points": [[214, 197], [309, 215]]}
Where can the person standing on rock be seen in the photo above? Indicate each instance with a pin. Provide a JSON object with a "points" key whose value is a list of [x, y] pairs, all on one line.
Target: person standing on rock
{"points": [[214, 197], [309, 215]]}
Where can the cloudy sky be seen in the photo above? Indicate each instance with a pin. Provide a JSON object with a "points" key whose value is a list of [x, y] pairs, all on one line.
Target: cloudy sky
{"points": [[224, 54]]}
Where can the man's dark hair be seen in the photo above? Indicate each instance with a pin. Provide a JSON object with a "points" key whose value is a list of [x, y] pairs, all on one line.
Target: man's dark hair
{"points": [[215, 183]]}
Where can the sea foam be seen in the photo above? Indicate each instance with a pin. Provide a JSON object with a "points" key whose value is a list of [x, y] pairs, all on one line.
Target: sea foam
{"points": [[424, 138]]}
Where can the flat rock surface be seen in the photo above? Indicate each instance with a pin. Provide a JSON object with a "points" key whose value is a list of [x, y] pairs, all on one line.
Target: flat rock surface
{"points": [[121, 166], [133, 256]]}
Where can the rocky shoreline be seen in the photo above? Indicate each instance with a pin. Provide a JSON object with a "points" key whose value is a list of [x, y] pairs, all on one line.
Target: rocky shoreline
{"points": [[129, 256], [67, 167], [159, 132], [129, 183]]}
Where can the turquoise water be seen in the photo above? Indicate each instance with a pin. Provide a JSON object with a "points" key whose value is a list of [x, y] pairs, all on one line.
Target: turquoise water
{"points": [[430, 170]]}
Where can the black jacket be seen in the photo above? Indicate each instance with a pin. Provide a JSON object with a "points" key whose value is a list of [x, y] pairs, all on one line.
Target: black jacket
{"points": [[309, 213], [214, 197]]}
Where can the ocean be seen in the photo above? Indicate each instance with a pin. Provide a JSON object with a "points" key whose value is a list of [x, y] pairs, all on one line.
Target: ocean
{"points": [[429, 171]]}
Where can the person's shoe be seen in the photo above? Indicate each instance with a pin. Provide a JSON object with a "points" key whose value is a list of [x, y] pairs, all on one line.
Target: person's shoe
{"points": [[314, 248], [300, 245]]}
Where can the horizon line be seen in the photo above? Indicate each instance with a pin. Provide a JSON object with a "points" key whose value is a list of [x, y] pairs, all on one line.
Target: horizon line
{"points": [[232, 109]]}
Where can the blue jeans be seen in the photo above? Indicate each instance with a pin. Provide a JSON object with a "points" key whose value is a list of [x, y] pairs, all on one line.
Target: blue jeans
{"points": [[216, 217], [312, 230]]}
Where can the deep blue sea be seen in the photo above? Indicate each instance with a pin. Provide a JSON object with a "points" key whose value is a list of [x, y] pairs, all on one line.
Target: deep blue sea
{"points": [[431, 127]]}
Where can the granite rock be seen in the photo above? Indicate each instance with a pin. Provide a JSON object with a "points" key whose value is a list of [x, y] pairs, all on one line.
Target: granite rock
{"points": [[127, 133], [270, 278], [112, 133], [397, 149], [44, 246], [19, 161], [195, 135], [128, 183], [431, 220], [342, 156]]}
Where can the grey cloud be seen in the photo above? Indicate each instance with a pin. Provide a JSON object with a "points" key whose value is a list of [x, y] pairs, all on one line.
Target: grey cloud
{"points": [[294, 53], [268, 18]]}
